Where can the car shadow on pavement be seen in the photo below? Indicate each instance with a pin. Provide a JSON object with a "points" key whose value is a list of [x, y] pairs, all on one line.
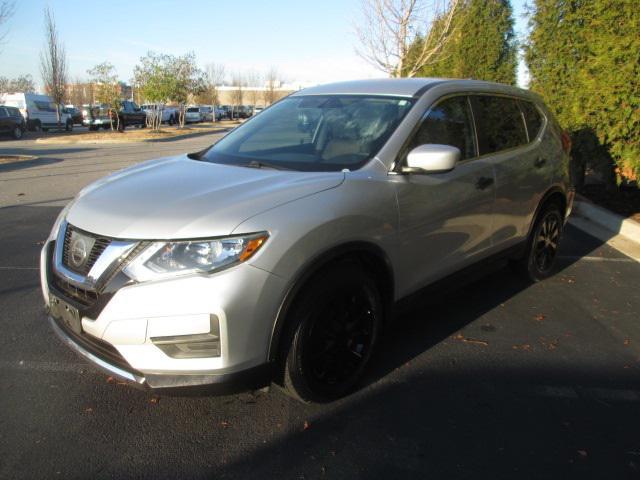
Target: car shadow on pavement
{"points": [[478, 415], [24, 164], [438, 312]]}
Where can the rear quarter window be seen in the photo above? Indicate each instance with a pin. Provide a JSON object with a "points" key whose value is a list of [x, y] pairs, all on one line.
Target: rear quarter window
{"points": [[499, 123], [532, 117]]}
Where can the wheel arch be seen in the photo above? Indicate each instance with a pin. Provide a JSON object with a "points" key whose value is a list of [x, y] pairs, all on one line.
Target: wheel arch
{"points": [[554, 193], [369, 256]]}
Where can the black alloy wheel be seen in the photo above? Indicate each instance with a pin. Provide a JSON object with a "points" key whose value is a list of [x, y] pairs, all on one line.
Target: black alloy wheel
{"points": [[339, 314]]}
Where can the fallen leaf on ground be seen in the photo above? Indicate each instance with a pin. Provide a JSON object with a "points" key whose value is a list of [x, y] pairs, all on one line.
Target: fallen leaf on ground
{"points": [[626, 342], [540, 317], [475, 341], [154, 400], [110, 379], [582, 453], [224, 424], [306, 425], [524, 346], [470, 340], [88, 409]]}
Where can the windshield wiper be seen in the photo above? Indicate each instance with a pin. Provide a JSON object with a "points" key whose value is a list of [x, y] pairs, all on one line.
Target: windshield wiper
{"points": [[257, 164]]}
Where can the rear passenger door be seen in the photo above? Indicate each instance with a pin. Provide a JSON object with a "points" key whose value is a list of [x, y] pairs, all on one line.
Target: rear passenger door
{"points": [[504, 143], [445, 218]]}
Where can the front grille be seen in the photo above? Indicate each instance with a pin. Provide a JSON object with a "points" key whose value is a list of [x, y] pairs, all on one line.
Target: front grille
{"points": [[100, 243], [86, 298]]}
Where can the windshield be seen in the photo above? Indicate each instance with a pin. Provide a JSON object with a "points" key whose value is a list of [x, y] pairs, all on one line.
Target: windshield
{"points": [[313, 133]]}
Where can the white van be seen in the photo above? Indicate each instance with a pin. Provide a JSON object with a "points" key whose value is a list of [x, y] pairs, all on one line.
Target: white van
{"points": [[39, 111]]}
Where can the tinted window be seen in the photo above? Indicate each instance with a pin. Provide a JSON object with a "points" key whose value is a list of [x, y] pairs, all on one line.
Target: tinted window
{"points": [[499, 122], [45, 106], [314, 133], [448, 123], [3, 113], [532, 117]]}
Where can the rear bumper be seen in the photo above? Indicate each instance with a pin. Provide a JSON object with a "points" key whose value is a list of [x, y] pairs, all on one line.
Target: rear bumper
{"points": [[166, 383]]}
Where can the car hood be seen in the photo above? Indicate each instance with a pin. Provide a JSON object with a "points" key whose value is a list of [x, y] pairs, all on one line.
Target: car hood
{"points": [[178, 198]]}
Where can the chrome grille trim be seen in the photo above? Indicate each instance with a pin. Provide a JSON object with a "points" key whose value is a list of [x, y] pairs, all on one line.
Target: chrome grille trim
{"points": [[110, 258], [99, 245]]}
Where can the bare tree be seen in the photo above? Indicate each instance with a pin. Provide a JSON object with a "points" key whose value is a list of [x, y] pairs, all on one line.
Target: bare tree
{"points": [[214, 77], [23, 83], [237, 94], [272, 83], [53, 62], [390, 27], [7, 9], [253, 80]]}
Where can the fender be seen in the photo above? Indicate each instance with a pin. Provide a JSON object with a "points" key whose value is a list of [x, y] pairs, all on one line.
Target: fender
{"points": [[313, 266]]}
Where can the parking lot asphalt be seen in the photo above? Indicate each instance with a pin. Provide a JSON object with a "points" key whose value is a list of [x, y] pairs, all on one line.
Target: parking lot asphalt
{"points": [[495, 378]]}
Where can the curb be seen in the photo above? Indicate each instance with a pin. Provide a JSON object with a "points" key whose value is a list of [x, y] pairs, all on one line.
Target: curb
{"points": [[606, 219], [621, 233], [113, 141]]}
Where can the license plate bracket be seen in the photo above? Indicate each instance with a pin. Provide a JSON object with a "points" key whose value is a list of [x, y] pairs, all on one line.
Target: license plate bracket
{"points": [[61, 310]]}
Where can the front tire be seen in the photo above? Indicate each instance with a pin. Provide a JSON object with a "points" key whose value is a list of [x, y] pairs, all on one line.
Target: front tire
{"points": [[334, 327], [540, 258], [17, 133]]}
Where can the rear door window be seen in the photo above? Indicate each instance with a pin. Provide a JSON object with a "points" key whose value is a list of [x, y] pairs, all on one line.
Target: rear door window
{"points": [[533, 119], [3, 113], [448, 123], [499, 123]]}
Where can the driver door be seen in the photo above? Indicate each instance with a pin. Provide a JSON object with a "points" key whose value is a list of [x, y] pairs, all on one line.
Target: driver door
{"points": [[445, 219]]}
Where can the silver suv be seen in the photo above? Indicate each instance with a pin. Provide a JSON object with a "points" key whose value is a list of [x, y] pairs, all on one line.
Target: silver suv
{"points": [[278, 253]]}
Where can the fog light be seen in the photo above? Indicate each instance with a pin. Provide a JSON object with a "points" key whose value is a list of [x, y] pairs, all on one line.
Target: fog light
{"points": [[201, 345]]}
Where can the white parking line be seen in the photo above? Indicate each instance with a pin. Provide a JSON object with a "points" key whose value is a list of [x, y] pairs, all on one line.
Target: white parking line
{"points": [[19, 268], [596, 259], [604, 394], [47, 367]]}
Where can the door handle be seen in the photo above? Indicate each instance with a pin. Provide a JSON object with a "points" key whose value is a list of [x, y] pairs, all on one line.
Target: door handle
{"points": [[539, 163], [484, 182]]}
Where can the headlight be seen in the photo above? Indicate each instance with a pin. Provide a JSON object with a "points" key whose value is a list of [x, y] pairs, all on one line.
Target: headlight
{"points": [[168, 259]]}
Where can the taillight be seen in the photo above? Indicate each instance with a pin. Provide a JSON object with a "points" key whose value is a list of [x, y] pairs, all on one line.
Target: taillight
{"points": [[566, 142]]}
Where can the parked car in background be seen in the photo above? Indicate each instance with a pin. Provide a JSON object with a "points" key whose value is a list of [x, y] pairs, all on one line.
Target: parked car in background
{"points": [[169, 114], [278, 253], [96, 116], [76, 114], [39, 111], [226, 111], [220, 113], [11, 122], [192, 115], [243, 111], [257, 110], [207, 113]]}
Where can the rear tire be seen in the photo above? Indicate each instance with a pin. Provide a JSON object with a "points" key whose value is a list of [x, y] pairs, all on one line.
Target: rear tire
{"points": [[539, 260], [334, 326], [17, 133], [69, 126]]}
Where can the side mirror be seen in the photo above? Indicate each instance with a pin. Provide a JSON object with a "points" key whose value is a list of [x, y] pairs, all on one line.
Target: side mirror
{"points": [[432, 158]]}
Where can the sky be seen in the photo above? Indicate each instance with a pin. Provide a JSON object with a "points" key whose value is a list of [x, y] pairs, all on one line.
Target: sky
{"points": [[309, 42]]}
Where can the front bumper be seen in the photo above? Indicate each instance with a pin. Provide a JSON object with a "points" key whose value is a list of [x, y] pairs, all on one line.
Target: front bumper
{"points": [[119, 328], [173, 384]]}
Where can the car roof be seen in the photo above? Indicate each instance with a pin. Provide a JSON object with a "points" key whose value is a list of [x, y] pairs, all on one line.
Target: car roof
{"points": [[405, 87]]}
